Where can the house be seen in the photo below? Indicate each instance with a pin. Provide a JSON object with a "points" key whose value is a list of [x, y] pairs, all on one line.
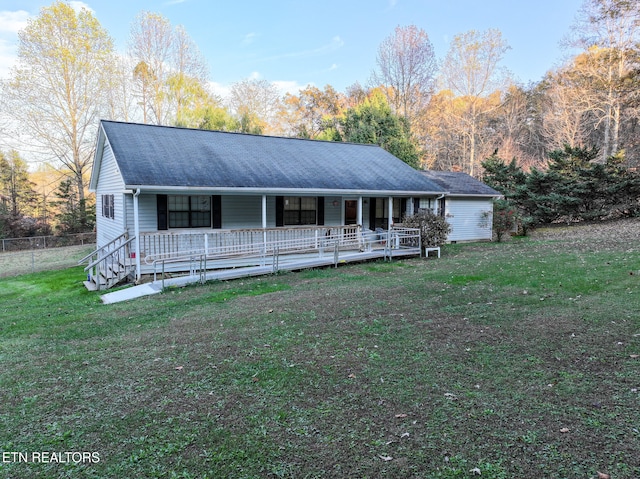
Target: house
{"points": [[467, 205], [166, 195]]}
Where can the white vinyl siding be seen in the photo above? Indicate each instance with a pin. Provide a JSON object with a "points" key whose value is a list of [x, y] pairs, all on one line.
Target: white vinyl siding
{"points": [[333, 214], [147, 214], [240, 212], [466, 219], [110, 184]]}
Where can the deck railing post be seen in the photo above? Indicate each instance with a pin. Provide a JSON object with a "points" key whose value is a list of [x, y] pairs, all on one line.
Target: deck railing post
{"points": [[276, 254]]}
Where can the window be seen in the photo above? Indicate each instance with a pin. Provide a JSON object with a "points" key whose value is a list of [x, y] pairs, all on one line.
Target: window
{"points": [[300, 210], [442, 207], [108, 206], [189, 211]]}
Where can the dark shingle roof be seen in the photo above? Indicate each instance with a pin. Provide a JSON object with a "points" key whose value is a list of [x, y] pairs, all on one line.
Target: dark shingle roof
{"points": [[149, 156], [458, 183]]}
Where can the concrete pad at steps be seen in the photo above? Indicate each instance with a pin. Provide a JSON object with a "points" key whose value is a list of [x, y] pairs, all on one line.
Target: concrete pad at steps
{"points": [[131, 293]]}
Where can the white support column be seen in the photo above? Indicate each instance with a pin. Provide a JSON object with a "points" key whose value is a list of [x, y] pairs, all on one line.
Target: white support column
{"points": [[136, 231], [360, 218], [390, 211], [264, 220]]}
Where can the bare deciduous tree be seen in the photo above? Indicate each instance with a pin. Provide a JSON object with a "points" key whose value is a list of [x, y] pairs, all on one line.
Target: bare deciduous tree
{"points": [[471, 71], [309, 113], [256, 103], [407, 67], [167, 62], [608, 32]]}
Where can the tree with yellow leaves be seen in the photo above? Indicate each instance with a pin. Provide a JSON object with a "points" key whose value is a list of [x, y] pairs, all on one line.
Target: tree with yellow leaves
{"points": [[56, 93]]}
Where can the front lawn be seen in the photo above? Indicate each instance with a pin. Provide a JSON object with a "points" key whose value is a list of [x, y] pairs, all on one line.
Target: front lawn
{"points": [[518, 359]]}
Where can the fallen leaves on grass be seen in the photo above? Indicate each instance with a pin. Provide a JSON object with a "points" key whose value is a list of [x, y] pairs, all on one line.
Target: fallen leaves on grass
{"points": [[179, 368], [400, 416], [564, 430], [385, 458]]}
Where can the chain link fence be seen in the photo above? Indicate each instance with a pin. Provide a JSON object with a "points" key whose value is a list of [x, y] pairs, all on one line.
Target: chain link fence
{"points": [[41, 253], [44, 242]]}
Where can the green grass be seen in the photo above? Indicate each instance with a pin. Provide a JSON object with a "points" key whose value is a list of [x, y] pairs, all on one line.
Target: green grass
{"points": [[416, 368]]}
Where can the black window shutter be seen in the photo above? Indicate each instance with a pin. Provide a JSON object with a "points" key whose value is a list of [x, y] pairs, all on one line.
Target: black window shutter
{"points": [[416, 205], [320, 209], [372, 214], [216, 207], [161, 201], [279, 210]]}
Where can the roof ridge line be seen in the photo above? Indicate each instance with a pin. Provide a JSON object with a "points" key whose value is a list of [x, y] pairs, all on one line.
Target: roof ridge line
{"points": [[239, 133]]}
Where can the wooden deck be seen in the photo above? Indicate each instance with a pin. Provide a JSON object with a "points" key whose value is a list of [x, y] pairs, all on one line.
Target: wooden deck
{"points": [[234, 254]]}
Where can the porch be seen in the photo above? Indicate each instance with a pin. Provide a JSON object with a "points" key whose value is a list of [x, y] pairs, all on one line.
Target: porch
{"points": [[215, 254]]}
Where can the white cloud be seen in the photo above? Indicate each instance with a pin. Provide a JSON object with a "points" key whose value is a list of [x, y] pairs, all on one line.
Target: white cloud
{"points": [[219, 89], [335, 44], [289, 86], [283, 86], [8, 58], [255, 76], [77, 6], [12, 22], [249, 38]]}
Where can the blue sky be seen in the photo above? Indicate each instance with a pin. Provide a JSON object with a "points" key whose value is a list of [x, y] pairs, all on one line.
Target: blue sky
{"points": [[294, 42]]}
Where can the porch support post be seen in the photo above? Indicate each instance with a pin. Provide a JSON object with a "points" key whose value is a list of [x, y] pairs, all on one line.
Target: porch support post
{"points": [[390, 212], [136, 231], [264, 220], [360, 219]]}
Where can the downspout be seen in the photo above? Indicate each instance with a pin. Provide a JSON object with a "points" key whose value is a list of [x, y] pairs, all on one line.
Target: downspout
{"points": [[136, 231]]}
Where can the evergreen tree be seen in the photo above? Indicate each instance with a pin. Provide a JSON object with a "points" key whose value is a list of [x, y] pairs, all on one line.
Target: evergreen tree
{"points": [[74, 216], [573, 187], [506, 178], [373, 122], [17, 198]]}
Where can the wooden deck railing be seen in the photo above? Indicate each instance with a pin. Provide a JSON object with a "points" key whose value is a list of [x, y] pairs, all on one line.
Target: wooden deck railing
{"points": [[109, 264], [159, 246]]}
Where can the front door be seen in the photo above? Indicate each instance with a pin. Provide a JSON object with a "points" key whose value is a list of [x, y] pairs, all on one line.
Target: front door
{"points": [[351, 212]]}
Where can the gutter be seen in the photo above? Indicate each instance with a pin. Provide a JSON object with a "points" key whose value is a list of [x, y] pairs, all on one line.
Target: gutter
{"points": [[156, 189]]}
